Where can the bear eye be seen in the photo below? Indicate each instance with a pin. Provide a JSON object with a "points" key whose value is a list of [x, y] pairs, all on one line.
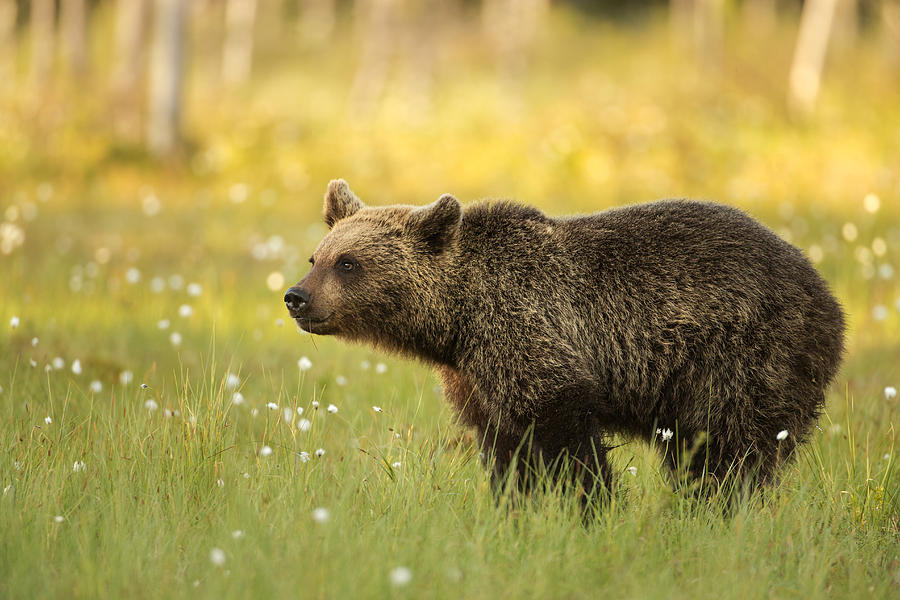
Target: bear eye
{"points": [[346, 265]]}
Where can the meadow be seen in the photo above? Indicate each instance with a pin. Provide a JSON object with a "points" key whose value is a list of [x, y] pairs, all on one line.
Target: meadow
{"points": [[166, 431]]}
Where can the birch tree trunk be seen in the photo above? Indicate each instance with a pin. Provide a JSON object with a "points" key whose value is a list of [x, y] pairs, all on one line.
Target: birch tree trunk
{"points": [[8, 12], [43, 14], [809, 56], [166, 72], [74, 25], [378, 21], [237, 54], [317, 19]]}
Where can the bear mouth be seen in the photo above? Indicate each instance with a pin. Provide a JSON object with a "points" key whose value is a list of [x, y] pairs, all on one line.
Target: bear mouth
{"points": [[310, 324]]}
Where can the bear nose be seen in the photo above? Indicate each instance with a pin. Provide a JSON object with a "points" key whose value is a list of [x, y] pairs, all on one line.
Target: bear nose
{"points": [[296, 299]]}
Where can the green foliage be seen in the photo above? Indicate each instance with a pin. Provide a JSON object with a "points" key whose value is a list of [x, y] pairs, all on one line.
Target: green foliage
{"points": [[605, 118]]}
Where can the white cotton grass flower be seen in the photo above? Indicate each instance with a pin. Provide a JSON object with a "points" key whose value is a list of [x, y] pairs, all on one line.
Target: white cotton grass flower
{"points": [[175, 338], [59, 518], [157, 285], [194, 289], [304, 363], [320, 452], [14, 322], [132, 275], [220, 482], [632, 470], [377, 409], [185, 311], [34, 341], [96, 387], [665, 434], [237, 398], [304, 457], [48, 420], [151, 405], [272, 406], [321, 515], [265, 451], [58, 363], [163, 324], [288, 414], [381, 368], [144, 386], [126, 377], [396, 464], [279, 322], [304, 424], [76, 366], [8, 489], [32, 362], [217, 557], [78, 466], [232, 381], [400, 576], [299, 410], [315, 404], [890, 392], [340, 380], [332, 408], [237, 534], [782, 435]]}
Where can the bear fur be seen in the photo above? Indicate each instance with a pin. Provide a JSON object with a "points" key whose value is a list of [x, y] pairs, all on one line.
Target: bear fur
{"points": [[552, 334]]}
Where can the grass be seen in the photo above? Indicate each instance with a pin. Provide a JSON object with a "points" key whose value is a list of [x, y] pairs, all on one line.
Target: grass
{"points": [[604, 120]]}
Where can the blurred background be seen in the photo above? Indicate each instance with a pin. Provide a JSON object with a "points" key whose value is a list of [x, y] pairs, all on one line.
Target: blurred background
{"points": [[147, 144]]}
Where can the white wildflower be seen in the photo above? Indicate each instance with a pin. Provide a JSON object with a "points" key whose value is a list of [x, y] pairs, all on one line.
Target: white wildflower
{"points": [[364, 365], [782, 435], [185, 311], [272, 406], [279, 322], [126, 377], [48, 420], [237, 398], [237, 534], [151, 404], [132, 275], [304, 424], [59, 518], [220, 482], [401, 576], [265, 451], [34, 341], [58, 363], [32, 362], [320, 515], [299, 410], [14, 322], [890, 392], [340, 380], [175, 338], [377, 409], [381, 368], [157, 285], [304, 457], [332, 408], [217, 557], [632, 470], [320, 452], [96, 387], [78, 466], [232, 381], [304, 363], [144, 386], [288, 413], [666, 434], [397, 464], [315, 404], [163, 324], [194, 289]]}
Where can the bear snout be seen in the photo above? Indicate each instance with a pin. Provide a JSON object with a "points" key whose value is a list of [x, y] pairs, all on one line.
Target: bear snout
{"points": [[296, 299]]}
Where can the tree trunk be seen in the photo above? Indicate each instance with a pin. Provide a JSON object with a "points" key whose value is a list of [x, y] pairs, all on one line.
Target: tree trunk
{"points": [[378, 21], [8, 11], [809, 56], [74, 24], [166, 72], [43, 14], [237, 55], [317, 20]]}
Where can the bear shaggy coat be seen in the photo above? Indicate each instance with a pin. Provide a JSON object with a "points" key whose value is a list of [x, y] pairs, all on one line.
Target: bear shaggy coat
{"points": [[551, 334]]}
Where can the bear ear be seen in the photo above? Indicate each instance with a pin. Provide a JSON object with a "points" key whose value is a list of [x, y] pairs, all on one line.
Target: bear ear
{"points": [[437, 223], [340, 202]]}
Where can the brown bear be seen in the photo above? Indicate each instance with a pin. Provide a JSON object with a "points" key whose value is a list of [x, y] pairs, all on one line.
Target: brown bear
{"points": [[551, 334]]}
